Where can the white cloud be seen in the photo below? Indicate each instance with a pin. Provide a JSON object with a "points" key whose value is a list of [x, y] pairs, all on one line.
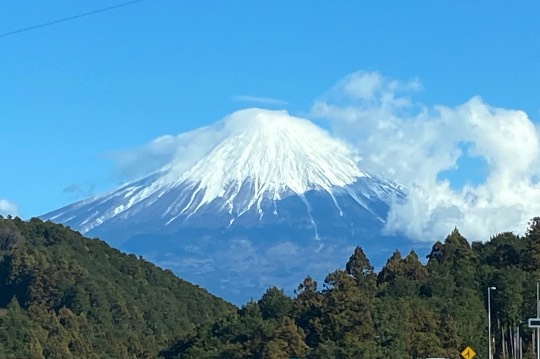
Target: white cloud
{"points": [[7, 207], [414, 144], [185, 149], [259, 100]]}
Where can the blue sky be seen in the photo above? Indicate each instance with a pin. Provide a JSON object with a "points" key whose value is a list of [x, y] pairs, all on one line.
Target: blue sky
{"points": [[75, 94]]}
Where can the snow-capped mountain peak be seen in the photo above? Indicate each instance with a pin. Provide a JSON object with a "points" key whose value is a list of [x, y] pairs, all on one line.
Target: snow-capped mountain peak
{"points": [[275, 152], [254, 158], [243, 202]]}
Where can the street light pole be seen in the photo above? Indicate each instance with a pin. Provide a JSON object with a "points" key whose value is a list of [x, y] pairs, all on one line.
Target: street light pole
{"points": [[537, 316], [489, 320]]}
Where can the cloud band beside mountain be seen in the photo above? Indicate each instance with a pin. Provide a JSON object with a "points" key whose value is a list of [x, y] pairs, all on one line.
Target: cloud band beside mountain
{"points": [[425, 148], [422, 148]]}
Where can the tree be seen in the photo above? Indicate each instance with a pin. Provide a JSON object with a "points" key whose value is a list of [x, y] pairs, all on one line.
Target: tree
{"points": [[287, 341], [274, 304], [402, 277], [9, 237], [347, 311], [19, 335], [307, 310], [532, 237], [362, 271]]}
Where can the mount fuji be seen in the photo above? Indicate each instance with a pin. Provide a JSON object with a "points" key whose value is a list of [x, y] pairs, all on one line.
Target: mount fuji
{"points": [[271, 198]]}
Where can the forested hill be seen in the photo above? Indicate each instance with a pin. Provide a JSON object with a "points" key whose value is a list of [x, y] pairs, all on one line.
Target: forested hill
{"points": [[407, 310], [66, 296]]}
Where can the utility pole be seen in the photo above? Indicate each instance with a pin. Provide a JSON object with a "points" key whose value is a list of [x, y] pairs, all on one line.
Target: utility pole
{"points": [[537, 316]]}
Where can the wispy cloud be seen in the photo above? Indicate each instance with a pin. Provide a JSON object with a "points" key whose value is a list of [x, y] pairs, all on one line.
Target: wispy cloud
{"points": [[186, 149], [80, 190], [7, 207], [417, 145], [259, 100]]}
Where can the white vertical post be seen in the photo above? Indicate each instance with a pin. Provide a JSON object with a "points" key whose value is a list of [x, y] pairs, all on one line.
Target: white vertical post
{"points": [[518, 342], [489, 321], [537, 316]]}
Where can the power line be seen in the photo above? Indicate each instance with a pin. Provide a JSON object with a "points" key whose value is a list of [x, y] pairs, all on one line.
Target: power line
{"points": [[69, 18]]}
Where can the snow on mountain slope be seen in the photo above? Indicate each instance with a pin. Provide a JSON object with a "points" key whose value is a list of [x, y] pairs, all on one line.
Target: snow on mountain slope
{"points": [[265, 157], [266, 188], [277, 152]]}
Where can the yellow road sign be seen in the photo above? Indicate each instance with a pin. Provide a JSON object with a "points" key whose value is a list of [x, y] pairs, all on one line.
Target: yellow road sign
{"points": [[468, 353]]}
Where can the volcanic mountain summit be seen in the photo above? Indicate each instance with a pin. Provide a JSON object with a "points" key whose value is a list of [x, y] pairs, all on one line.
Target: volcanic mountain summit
{"points": [[272, 199]]}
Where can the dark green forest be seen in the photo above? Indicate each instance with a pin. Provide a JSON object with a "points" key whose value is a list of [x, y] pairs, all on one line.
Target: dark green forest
{"points": [[406, 310], [66, 296]]}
